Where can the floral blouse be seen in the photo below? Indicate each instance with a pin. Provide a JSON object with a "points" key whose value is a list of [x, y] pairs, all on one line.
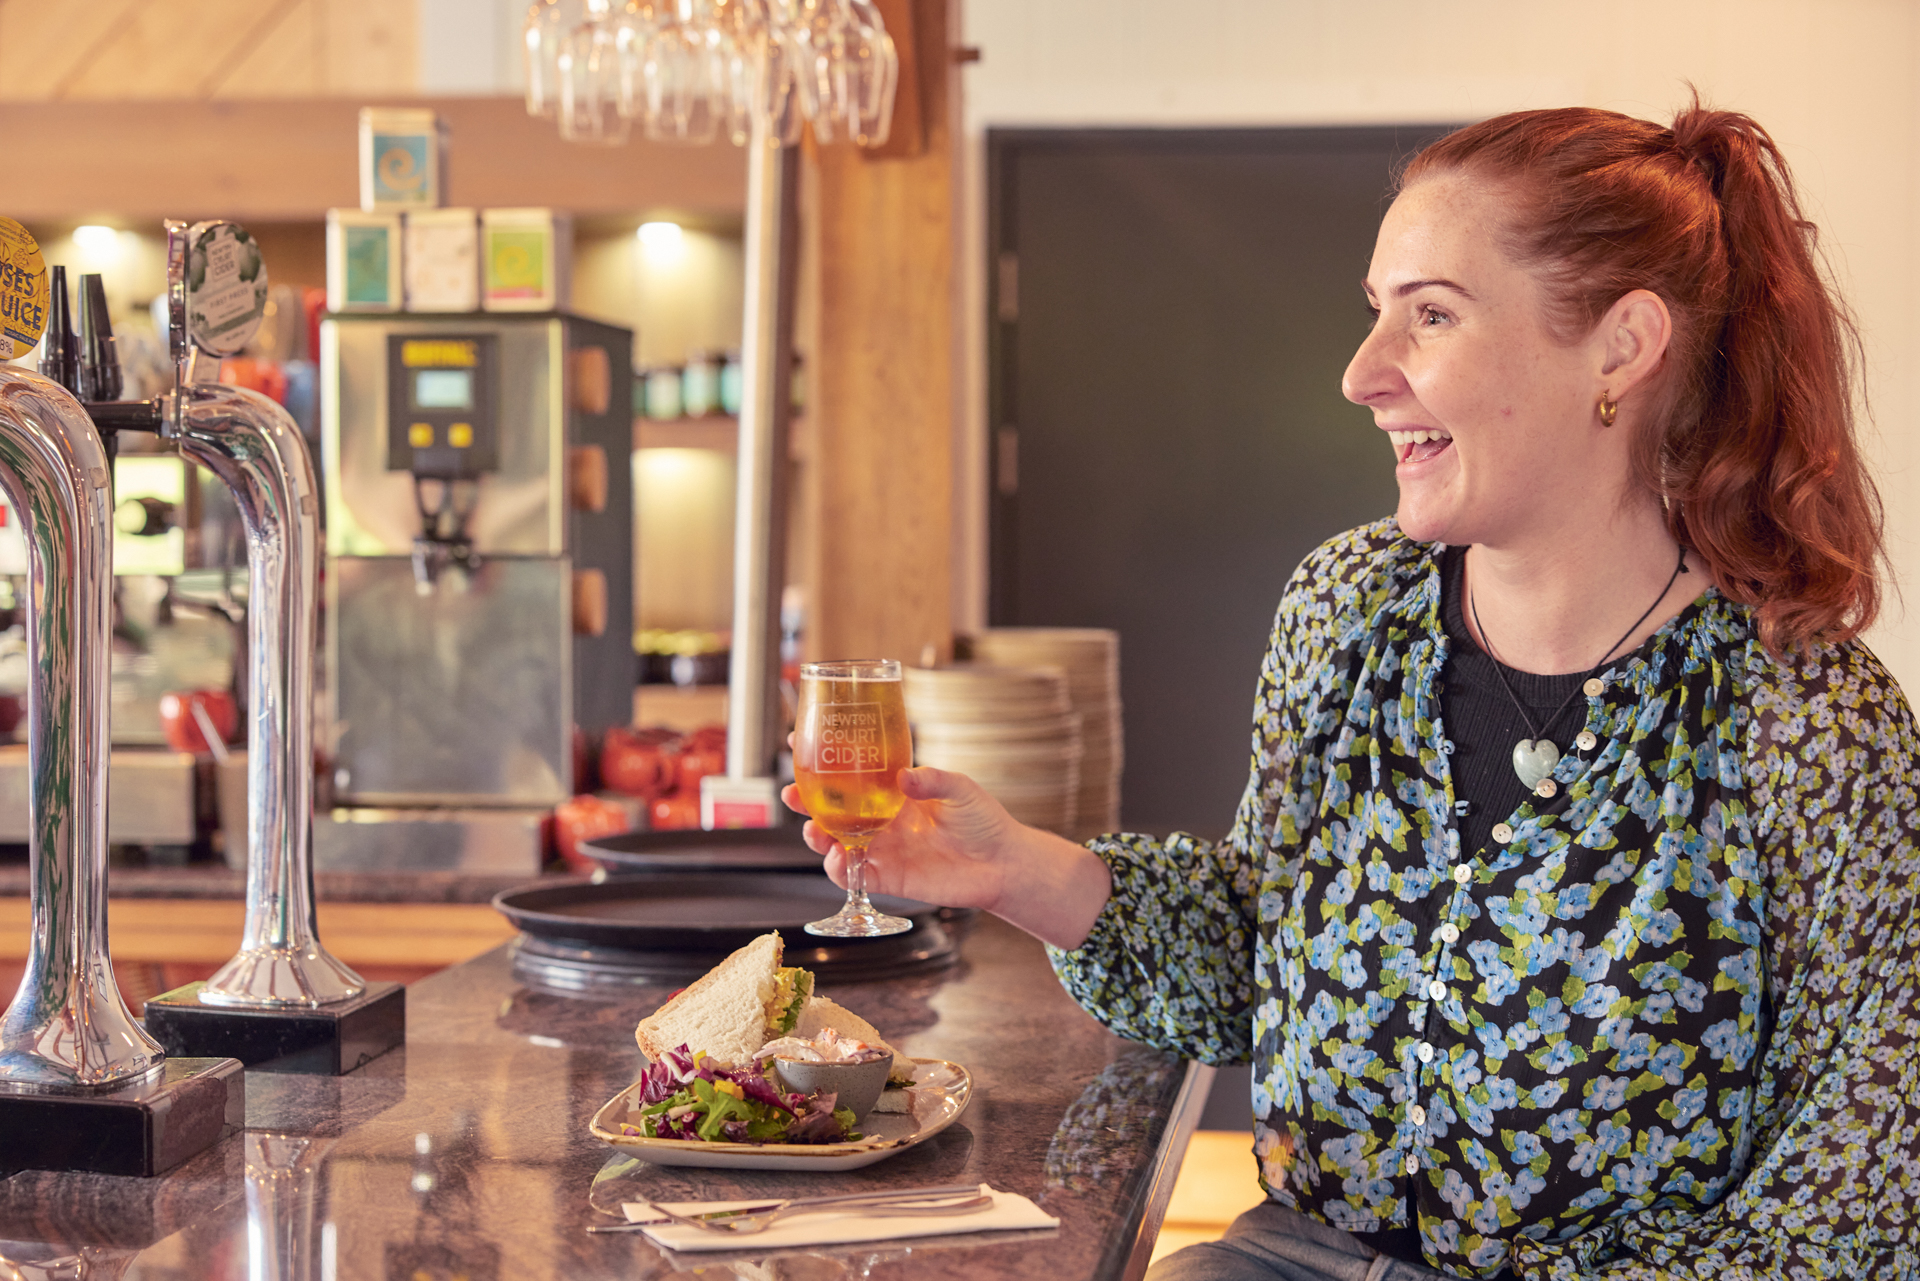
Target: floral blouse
{"points": [[1664, 1025]]}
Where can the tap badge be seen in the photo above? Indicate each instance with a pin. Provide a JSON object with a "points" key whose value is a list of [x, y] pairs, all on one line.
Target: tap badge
{"points": [[226, 287], [23, 291]]}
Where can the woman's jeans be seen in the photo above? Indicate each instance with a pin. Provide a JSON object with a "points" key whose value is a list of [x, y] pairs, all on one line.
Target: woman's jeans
{"points": [[1274, 1243]]}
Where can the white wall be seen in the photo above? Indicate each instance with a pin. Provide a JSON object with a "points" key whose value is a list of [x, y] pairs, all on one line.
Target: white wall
{"points": [[471, 47], [1834, 81]]}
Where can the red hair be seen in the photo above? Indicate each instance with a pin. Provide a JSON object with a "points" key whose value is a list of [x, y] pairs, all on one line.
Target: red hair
{"points": [[1750, 439]]}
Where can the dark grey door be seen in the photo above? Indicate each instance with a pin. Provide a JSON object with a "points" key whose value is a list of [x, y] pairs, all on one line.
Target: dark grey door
{"points": [[1171, 313]]}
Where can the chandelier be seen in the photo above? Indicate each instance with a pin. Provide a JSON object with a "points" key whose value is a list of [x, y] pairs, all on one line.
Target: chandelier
{"points": [[696, 70]]}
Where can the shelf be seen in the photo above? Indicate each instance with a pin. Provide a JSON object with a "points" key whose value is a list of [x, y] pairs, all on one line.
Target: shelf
{"points": [[680, 707], [715, 431], [718, 432]]}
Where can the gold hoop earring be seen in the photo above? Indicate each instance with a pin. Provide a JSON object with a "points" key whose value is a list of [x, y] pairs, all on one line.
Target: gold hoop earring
{"points": [[1608, 408]]}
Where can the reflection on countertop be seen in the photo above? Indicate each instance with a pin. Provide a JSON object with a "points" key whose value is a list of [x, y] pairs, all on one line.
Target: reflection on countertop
{"points": [[467, 1152], [218, 881]]}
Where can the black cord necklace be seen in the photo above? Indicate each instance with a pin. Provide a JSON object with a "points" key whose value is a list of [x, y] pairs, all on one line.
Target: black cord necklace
{"points": [[1535, 757]]}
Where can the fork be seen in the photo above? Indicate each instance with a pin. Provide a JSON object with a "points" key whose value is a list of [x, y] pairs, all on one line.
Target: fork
{"points": [[750, 1219]]}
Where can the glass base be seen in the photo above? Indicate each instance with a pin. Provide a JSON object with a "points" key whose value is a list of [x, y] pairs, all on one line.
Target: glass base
{"points": [[851, 923]]}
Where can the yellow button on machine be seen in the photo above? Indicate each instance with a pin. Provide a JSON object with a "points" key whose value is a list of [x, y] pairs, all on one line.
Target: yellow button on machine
{"points": [[420, 435], [460, 435]]}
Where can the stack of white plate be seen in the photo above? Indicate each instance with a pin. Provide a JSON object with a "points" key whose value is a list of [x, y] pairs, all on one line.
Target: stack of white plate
{"points": [[1090, 656], [1012, 730]]}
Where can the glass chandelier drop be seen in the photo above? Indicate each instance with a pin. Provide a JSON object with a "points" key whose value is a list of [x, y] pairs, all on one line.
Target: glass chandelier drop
{"points": [[695, 70]]}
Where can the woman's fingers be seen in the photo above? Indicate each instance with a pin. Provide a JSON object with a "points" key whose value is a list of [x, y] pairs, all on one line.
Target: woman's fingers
{"points": [[790, 797], [817, 838], [925, 783], [836, 858]]}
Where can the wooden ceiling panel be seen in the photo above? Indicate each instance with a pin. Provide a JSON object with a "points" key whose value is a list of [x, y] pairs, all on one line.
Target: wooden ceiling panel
{"points": [[168, 48], [282, 63], [43, 45], [368, 46], [53, 50]]}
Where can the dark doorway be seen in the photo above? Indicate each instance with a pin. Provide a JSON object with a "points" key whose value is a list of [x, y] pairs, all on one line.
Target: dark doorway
{"points": [[1172, 311]]}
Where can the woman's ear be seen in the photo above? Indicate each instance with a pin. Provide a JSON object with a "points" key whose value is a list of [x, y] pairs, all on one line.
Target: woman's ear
{"points": [[1634, 336]]}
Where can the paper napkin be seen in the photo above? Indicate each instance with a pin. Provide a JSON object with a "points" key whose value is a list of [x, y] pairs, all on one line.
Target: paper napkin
{"points": [[832, 1226]]}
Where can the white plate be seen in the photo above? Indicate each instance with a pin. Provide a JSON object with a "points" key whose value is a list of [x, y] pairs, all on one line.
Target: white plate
{"points": [[940, 1093]]}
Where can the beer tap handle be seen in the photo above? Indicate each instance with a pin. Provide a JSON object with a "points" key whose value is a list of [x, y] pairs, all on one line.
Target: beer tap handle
{"points": [[99, 360], [60, 351], [97, 374], [179, 344]]}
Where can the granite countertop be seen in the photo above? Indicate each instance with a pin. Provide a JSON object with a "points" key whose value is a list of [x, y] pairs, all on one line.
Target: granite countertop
{"points": [[217, 881], [467, 1153]]}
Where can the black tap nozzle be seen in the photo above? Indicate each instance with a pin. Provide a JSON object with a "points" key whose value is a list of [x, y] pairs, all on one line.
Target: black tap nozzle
{"points": [[99, 360], [60, 349]]}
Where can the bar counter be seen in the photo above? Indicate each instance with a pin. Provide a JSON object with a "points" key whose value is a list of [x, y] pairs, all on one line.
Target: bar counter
{"points": [[467, 1152]]}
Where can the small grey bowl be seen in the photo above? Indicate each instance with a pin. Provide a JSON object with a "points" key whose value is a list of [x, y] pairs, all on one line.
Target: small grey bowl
{"points": [[857, 1085]]}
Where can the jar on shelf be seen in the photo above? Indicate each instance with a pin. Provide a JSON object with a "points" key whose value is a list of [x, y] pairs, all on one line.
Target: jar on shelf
{"points": [[664, 392], [730, 383], [700, 384]]}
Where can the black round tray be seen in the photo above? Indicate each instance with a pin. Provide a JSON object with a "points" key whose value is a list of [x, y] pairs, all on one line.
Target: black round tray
{"points": [[745, 849], [671, 925]]}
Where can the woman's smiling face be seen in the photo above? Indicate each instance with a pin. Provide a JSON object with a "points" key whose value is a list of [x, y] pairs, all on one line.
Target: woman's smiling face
{"points": [[1493, 420]]}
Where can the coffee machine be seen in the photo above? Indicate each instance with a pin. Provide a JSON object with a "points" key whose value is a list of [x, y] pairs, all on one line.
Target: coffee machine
{"points": [[479, 598]]}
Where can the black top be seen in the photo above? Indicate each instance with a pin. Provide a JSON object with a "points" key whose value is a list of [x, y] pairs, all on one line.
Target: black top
{"points": [[1482, 725]]}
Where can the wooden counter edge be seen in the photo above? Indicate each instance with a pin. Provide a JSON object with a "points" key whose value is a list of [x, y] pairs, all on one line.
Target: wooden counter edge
{"points": [[208, 930], [1181, 1123]]}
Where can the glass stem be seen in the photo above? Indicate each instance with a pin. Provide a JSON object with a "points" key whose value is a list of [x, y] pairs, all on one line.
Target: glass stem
{"points": [[857, 880]]}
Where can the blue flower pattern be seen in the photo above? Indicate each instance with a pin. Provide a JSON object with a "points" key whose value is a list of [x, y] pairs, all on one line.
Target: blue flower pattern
{"points": [[1663, 1027]]}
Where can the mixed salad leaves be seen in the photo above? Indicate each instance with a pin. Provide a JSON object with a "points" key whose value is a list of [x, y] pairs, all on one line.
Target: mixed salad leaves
{"points": [[689, 1096]]}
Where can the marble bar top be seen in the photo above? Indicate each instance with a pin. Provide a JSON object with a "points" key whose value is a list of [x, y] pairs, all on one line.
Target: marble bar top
{"points": [[467, 1152]]}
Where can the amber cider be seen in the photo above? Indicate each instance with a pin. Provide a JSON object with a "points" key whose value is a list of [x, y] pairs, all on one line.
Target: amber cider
{"points": [[848, 750]]}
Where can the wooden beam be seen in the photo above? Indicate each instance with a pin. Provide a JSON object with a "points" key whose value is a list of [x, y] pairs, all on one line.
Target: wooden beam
{"points": [[907, 134], [287, 159], [881, 413]]}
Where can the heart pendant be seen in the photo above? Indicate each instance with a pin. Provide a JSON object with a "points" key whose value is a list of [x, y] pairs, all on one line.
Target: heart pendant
{"points": [[1533, 760]]}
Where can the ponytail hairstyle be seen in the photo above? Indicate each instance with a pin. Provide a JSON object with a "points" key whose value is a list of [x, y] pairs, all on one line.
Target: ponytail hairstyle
{"points": [[1748, 438]]}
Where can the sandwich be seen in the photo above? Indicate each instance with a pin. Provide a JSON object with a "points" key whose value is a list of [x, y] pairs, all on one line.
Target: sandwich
{"points": [[733, 1009]]}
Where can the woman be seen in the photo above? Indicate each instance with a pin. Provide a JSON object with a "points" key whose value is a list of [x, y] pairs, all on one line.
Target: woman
{"points": [[1568, 917]]}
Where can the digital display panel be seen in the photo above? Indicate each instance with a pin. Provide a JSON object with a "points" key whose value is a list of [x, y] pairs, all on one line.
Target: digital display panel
{"points": [[443, 388]]}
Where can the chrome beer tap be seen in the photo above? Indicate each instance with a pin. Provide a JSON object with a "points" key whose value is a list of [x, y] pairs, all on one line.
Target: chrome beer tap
{"points": [[255, 448], [67, 1029]]}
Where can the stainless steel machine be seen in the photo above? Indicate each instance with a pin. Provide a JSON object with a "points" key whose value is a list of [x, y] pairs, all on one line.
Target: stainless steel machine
{"points": [[479, 580]]}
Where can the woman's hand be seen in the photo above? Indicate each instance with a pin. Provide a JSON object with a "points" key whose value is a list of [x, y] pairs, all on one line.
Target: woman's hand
{"points": [[955, 845]]}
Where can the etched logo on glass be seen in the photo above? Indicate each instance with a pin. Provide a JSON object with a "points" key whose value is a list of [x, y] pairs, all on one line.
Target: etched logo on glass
{"points": [[849, 738]]}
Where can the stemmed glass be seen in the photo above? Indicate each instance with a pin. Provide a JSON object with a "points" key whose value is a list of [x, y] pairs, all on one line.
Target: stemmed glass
{"points": [[691, 70], [850, 742]]}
